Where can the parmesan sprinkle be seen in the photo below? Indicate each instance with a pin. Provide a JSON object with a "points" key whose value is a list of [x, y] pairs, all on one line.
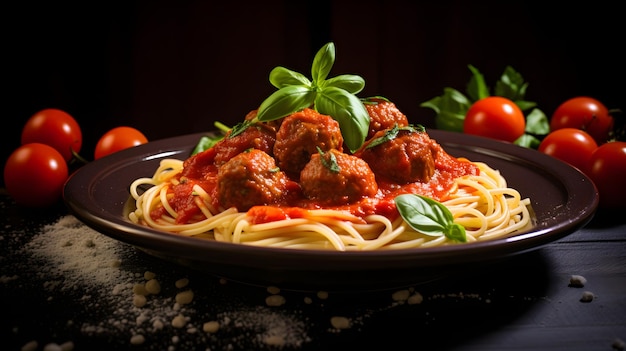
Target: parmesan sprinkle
{"points": [[146, 304]]}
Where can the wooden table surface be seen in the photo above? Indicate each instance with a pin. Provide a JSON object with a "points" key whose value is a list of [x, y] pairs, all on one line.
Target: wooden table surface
{"points": [[525, 302]]}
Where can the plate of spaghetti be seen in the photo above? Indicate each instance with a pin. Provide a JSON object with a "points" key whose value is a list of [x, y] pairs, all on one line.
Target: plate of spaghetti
{"points": [[334, 246]]}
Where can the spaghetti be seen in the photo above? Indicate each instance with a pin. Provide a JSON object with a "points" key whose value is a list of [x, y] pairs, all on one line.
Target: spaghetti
{"points": [[198, 196]]}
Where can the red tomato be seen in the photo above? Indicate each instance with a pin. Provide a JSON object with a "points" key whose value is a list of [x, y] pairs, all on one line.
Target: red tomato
{"points": [[55, 128], [34, 175], [607, 169], [571, 145], [495, 117], [117, 139], [584, 113]]}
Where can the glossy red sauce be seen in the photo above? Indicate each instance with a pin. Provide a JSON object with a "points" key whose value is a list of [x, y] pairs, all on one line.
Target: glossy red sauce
{"points": [[201, 170]]}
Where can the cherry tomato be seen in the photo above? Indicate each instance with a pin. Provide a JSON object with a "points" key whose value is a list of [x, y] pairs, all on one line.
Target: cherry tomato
{"points": [[495, 117], [34, 175], [117, 139], [584, 113], [56, 128], [607, 169], [571, 145]]}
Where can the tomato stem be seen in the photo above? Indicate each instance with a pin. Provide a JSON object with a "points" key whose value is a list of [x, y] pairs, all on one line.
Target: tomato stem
{"points": [[77, 157]]}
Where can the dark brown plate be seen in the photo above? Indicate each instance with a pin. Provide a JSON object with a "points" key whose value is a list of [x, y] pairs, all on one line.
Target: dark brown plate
{"points": [[563, 200]]}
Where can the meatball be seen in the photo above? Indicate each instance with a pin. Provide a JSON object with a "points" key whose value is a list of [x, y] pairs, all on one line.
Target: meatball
{"points": [[336, 178], [383, 115], [300, 135], [257, 136], [248, 179], [410, 157]]}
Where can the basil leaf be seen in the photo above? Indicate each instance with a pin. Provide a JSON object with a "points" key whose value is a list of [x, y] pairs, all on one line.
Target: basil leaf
{"points": [[240, 127], [450, 121], [390, 134], [524, 105], [537, 122], [281, 77], [348, 111], [372, 100], [285, 101], [511, 85], [528, 140], [205, 143], [323, 62], [353, 84], [429, 217], [456, 232], [450, 108], [477, 88]]}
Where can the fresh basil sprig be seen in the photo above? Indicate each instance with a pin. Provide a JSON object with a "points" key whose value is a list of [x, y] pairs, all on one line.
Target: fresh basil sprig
{"points": [[429, 217], [335, 97], [452, 106]]}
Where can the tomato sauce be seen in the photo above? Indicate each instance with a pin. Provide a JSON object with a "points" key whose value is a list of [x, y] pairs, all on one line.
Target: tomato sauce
{"points": [[201, 170]]}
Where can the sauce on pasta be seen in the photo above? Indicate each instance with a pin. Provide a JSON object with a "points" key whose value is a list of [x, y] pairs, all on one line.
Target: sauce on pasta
{"points": [[289, 183]]}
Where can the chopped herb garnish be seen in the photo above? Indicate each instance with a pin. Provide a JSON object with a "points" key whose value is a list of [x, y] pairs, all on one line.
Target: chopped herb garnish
{"points": [[392, 133], [331, 162]]}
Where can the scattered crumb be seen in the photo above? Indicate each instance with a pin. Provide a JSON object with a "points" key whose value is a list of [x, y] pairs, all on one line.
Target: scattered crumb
{"points": [[153, 287], [587, 296], [274, 340], [339, 322], [137, 339], [158, 324], [6, 279], [140, 289], [322, 295], [415, 299], [577, 281], [273, 290], [139, 300], [181, 283], [184, 297], [211, 327], [179, 321], [30, 346], [67, 346], [401, 295], [275, 300]]}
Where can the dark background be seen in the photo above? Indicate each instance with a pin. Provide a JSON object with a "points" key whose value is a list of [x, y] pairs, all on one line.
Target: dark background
{"points": [[174, 67]]}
